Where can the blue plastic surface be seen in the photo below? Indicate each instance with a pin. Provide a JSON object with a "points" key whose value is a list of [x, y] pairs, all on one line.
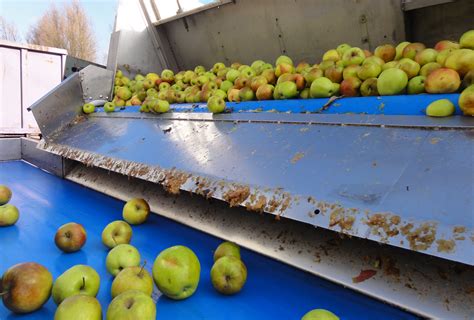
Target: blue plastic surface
{"points": [[388, 105], [273, 290]]}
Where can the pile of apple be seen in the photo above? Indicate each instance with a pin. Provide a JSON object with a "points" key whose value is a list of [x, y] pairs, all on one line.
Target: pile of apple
{"points": [[408, 68], [26, 287]]}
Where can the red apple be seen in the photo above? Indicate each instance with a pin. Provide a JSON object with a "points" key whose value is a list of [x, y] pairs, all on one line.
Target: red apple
{"points": [[70, 237], [265, 92], [442, 80], [386, 52], [257, 82], [334, 74], [269, 74], [446, 44], [350, 87]]}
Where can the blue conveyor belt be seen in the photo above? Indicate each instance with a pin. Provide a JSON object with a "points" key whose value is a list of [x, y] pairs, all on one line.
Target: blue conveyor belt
{"points": [[273, 290]]}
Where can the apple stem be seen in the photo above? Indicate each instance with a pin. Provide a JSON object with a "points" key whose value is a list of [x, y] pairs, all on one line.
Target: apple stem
{"points": [[141, 270], [3, 293], [83, 282]]}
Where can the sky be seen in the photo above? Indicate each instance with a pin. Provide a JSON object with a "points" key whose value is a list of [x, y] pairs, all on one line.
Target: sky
{"points": [[24, 13]]}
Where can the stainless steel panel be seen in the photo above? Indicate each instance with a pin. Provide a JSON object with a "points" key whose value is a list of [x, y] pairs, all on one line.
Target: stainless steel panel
{"points": [[60, 106], [10, 88], [40, 158], [401, 279], [97, 83], [408, 5], [389, 184], [10, 149], [249, 30]]}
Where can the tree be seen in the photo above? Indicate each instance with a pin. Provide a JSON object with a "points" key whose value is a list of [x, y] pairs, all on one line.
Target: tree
{"points": [[8, 31], [68, 28]]}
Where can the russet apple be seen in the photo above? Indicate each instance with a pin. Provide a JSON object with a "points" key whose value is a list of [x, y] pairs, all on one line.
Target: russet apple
{"points": [[320, 314], [79, 307], [442, 80], [334, 74], [120, 257], [228, 275], [256, 82], [265, 92], [79, 279], [130, 305], [136, 211], [350, 87], [227, 249], [25, 287], [369, 87], [5, 195], [115, 233], [410, 67], [176, 272], [70, 237], [392, 81], [385, 52], [132, 278], [440, 108], [9, 215]]}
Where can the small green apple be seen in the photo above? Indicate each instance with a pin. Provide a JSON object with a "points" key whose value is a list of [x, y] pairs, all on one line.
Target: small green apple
{"points": [[440, 108], [109, 107], [246, 94], [115, 233], [232, 74], [416, 85], [227, 249], [131, 305], [369, 70], [428, 68], [321, 88], [132, 278], [9, 215], [216, 104], [228, 275], [88, 108], [176, 272], [136, 211], [353, 55], [399, 49], [226, 85], [79, 307], [5, 194], [79, 279], [219, 93], [331, 55], [120, 257], [410, 67], [467, 40], [320, 314], [124, 93], [283, 59], [160, 106], [369, 87], [342, 48], [392, 81], [287, 89], [391, 64]]}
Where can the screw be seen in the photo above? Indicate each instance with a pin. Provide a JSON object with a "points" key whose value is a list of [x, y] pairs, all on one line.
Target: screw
{"points": [[363, 19], [100, 96]]}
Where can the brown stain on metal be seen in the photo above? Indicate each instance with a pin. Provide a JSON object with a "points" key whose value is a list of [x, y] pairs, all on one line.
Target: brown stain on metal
{"points": [[173, 181], [237, 195], [459, 229], [258, 205], [340, 217], [446, 245], [435, 140], [383, 225], [420, 238], [297, 157]]}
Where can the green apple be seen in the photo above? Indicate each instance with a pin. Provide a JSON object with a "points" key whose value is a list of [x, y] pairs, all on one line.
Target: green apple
{"points": [[152, 76], [119, 74], [428, 68], [391, 64], [167, 75], [131, 305], [320, 314], [109, 107], [385, 52], [440, 108], [5, 194], [353, 55], [26, 287], [303, 65], [331, 55], [442, 80], [283, 68], [246, 94], [392, 81], [136, 211], [257, 82], [226, 85], [176, 272], [283, 59], [321, 88], [227, 249], [412, 49], [467, 40], [139, 77], [443, 55], [312, 74], [426, 56], [70, 237], [79, 307], [326, 64], [199, 69], [374, 59], [350, 87], [334, 73], [232, 74], [124, 93], [88, 108], [342, 48], [160, 106], [369, 87], [216, 104], [350, 71], [257, 65], [120, 257], [79, 279], [219, 93], [466, 101], [228, 275], [248, 72], [446, 44], [410, 67], [115, 233], [399, 49], [270, 75], [416, 85], [9, 215], [132, 278], [468, 79], [217, 67], [287, 89], [164, 86], [265, 92], [369, 70], [461, 60]]}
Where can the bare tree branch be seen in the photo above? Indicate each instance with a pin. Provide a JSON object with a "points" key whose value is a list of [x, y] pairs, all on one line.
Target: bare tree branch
{"points": [[8, 31], [68, 28]]}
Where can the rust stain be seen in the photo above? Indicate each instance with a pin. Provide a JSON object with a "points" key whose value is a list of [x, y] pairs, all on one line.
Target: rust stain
{"points": [[435, 140], [447, 246], [383, 225], [459, 229], [258, 205], [237, 195], [297, 157], [420, 238], [339, 216], [174, 180]]}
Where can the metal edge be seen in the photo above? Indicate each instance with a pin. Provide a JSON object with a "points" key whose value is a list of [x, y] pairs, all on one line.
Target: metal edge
{"points": [[429, 287]]}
